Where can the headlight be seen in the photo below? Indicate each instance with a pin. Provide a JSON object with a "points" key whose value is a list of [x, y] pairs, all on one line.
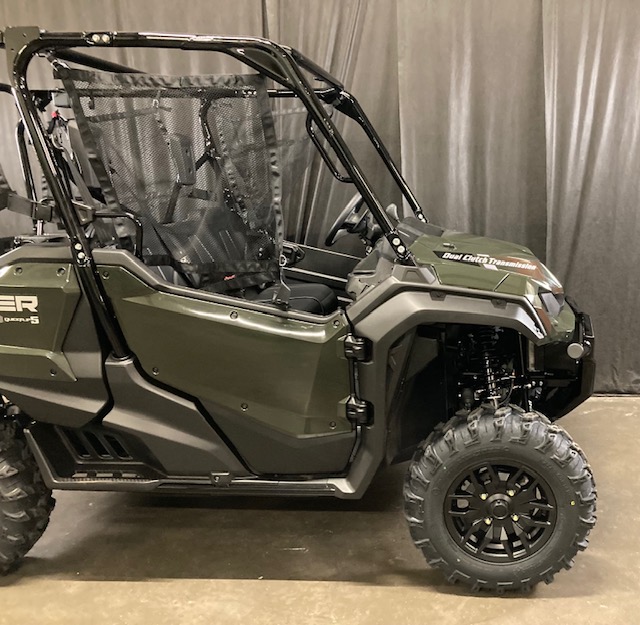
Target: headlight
{"points": [[553, 302]]}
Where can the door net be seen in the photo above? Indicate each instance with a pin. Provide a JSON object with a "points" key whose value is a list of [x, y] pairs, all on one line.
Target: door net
{"points": [[194, 158]]}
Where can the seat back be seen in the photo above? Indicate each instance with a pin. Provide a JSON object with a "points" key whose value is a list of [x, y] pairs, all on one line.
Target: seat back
{"points": [[194, 158]]}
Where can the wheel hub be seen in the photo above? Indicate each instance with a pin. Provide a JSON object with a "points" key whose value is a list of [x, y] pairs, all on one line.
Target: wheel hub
{"points": [[499, 506]]}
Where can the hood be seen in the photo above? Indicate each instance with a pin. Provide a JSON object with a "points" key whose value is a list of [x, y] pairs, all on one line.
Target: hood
{"points": [[474, 262], [471, 261]]}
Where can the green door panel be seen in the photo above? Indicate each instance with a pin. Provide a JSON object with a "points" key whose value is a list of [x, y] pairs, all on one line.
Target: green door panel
{"points": [[284, 375]]}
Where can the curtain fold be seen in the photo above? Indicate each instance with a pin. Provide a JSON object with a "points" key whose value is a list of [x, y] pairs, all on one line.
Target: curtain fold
{"points": [[515, 120], [472, 115], [592, 79]]}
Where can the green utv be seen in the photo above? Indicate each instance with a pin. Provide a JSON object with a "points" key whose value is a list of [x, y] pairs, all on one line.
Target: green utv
{"points": [[168, 339]]}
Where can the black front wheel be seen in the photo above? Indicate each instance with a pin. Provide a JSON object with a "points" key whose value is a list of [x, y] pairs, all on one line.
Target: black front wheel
{"points": [[500, 500]]}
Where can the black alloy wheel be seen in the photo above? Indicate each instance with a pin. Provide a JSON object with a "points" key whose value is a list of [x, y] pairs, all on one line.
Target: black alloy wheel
{"points": [[500, 513], [500, 499]]}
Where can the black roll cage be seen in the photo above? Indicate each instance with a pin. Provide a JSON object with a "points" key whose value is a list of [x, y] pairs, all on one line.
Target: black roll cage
{"points": [[280, 63]]}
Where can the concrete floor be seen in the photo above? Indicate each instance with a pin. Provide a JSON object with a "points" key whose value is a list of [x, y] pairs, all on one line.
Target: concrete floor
{"points": [[119, 558]]}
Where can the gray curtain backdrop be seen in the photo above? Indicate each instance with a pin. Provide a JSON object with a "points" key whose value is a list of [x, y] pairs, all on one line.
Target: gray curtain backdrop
{"points": [[514, 119]]}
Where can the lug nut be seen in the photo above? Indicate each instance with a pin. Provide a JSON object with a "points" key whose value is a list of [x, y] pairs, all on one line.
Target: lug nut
{"points": [[487, 521], [484, 496], [514, 517], [511, 492]]}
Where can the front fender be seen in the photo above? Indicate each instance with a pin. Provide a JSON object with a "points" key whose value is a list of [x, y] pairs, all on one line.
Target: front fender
{"points": [[400, 308]]}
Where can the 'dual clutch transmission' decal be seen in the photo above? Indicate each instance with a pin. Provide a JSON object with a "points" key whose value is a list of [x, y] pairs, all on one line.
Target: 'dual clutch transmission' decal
{"points": [[488, 262]]}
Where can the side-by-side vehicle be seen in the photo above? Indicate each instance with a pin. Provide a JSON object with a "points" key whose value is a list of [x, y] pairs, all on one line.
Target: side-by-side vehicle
{"points": [[168, 337]]}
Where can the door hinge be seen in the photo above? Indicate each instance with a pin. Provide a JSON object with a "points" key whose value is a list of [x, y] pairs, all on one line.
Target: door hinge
{"points": [[356, 348], [358, 411]]}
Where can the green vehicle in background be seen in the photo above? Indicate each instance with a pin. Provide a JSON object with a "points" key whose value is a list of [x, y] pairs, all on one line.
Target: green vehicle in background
{"points": [[169, 339]]}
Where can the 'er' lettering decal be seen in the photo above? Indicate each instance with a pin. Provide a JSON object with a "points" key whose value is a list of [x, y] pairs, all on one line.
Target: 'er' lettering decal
{"points": [[18, 303]]}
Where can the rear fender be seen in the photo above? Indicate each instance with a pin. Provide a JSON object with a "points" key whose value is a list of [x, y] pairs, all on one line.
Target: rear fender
{"points": [[50, 355]]}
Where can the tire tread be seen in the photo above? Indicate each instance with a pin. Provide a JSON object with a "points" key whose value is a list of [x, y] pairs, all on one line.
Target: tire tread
{"points": [[25, 501]]}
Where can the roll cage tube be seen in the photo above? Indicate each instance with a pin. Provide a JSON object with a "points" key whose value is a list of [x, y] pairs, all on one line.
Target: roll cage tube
{"points": [[346, 103], [25, 165], [21, 45], [281, 64]]}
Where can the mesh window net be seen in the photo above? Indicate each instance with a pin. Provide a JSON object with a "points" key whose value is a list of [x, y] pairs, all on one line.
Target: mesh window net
{"points": [[195, 159]]}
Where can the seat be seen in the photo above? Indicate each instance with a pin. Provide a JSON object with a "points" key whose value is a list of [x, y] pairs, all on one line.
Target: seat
{"points": [[318, 299]]}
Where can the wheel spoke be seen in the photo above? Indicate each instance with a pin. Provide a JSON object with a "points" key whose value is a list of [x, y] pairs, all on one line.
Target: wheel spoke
{"points": [[539, 504], [508, 547], [527, 493], [470, 497], [480, 488], [524, 539], [512, 482], [465, 537], [486, 539], [535, 522], [470, 514], [494, 479], [473, 500]]}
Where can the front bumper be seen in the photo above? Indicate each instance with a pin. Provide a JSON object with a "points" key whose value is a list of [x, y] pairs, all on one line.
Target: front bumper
{"points": [[570, 381], [584, 336]]}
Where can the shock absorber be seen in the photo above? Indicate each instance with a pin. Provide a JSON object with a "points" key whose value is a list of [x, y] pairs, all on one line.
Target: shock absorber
{"points": [[487, 338]]}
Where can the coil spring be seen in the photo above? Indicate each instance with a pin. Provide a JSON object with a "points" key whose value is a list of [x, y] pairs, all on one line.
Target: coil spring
{"points": [[487, 339]]}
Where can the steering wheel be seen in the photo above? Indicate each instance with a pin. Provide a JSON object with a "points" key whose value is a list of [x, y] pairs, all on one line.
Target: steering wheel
{"points": [[352, 220]]}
